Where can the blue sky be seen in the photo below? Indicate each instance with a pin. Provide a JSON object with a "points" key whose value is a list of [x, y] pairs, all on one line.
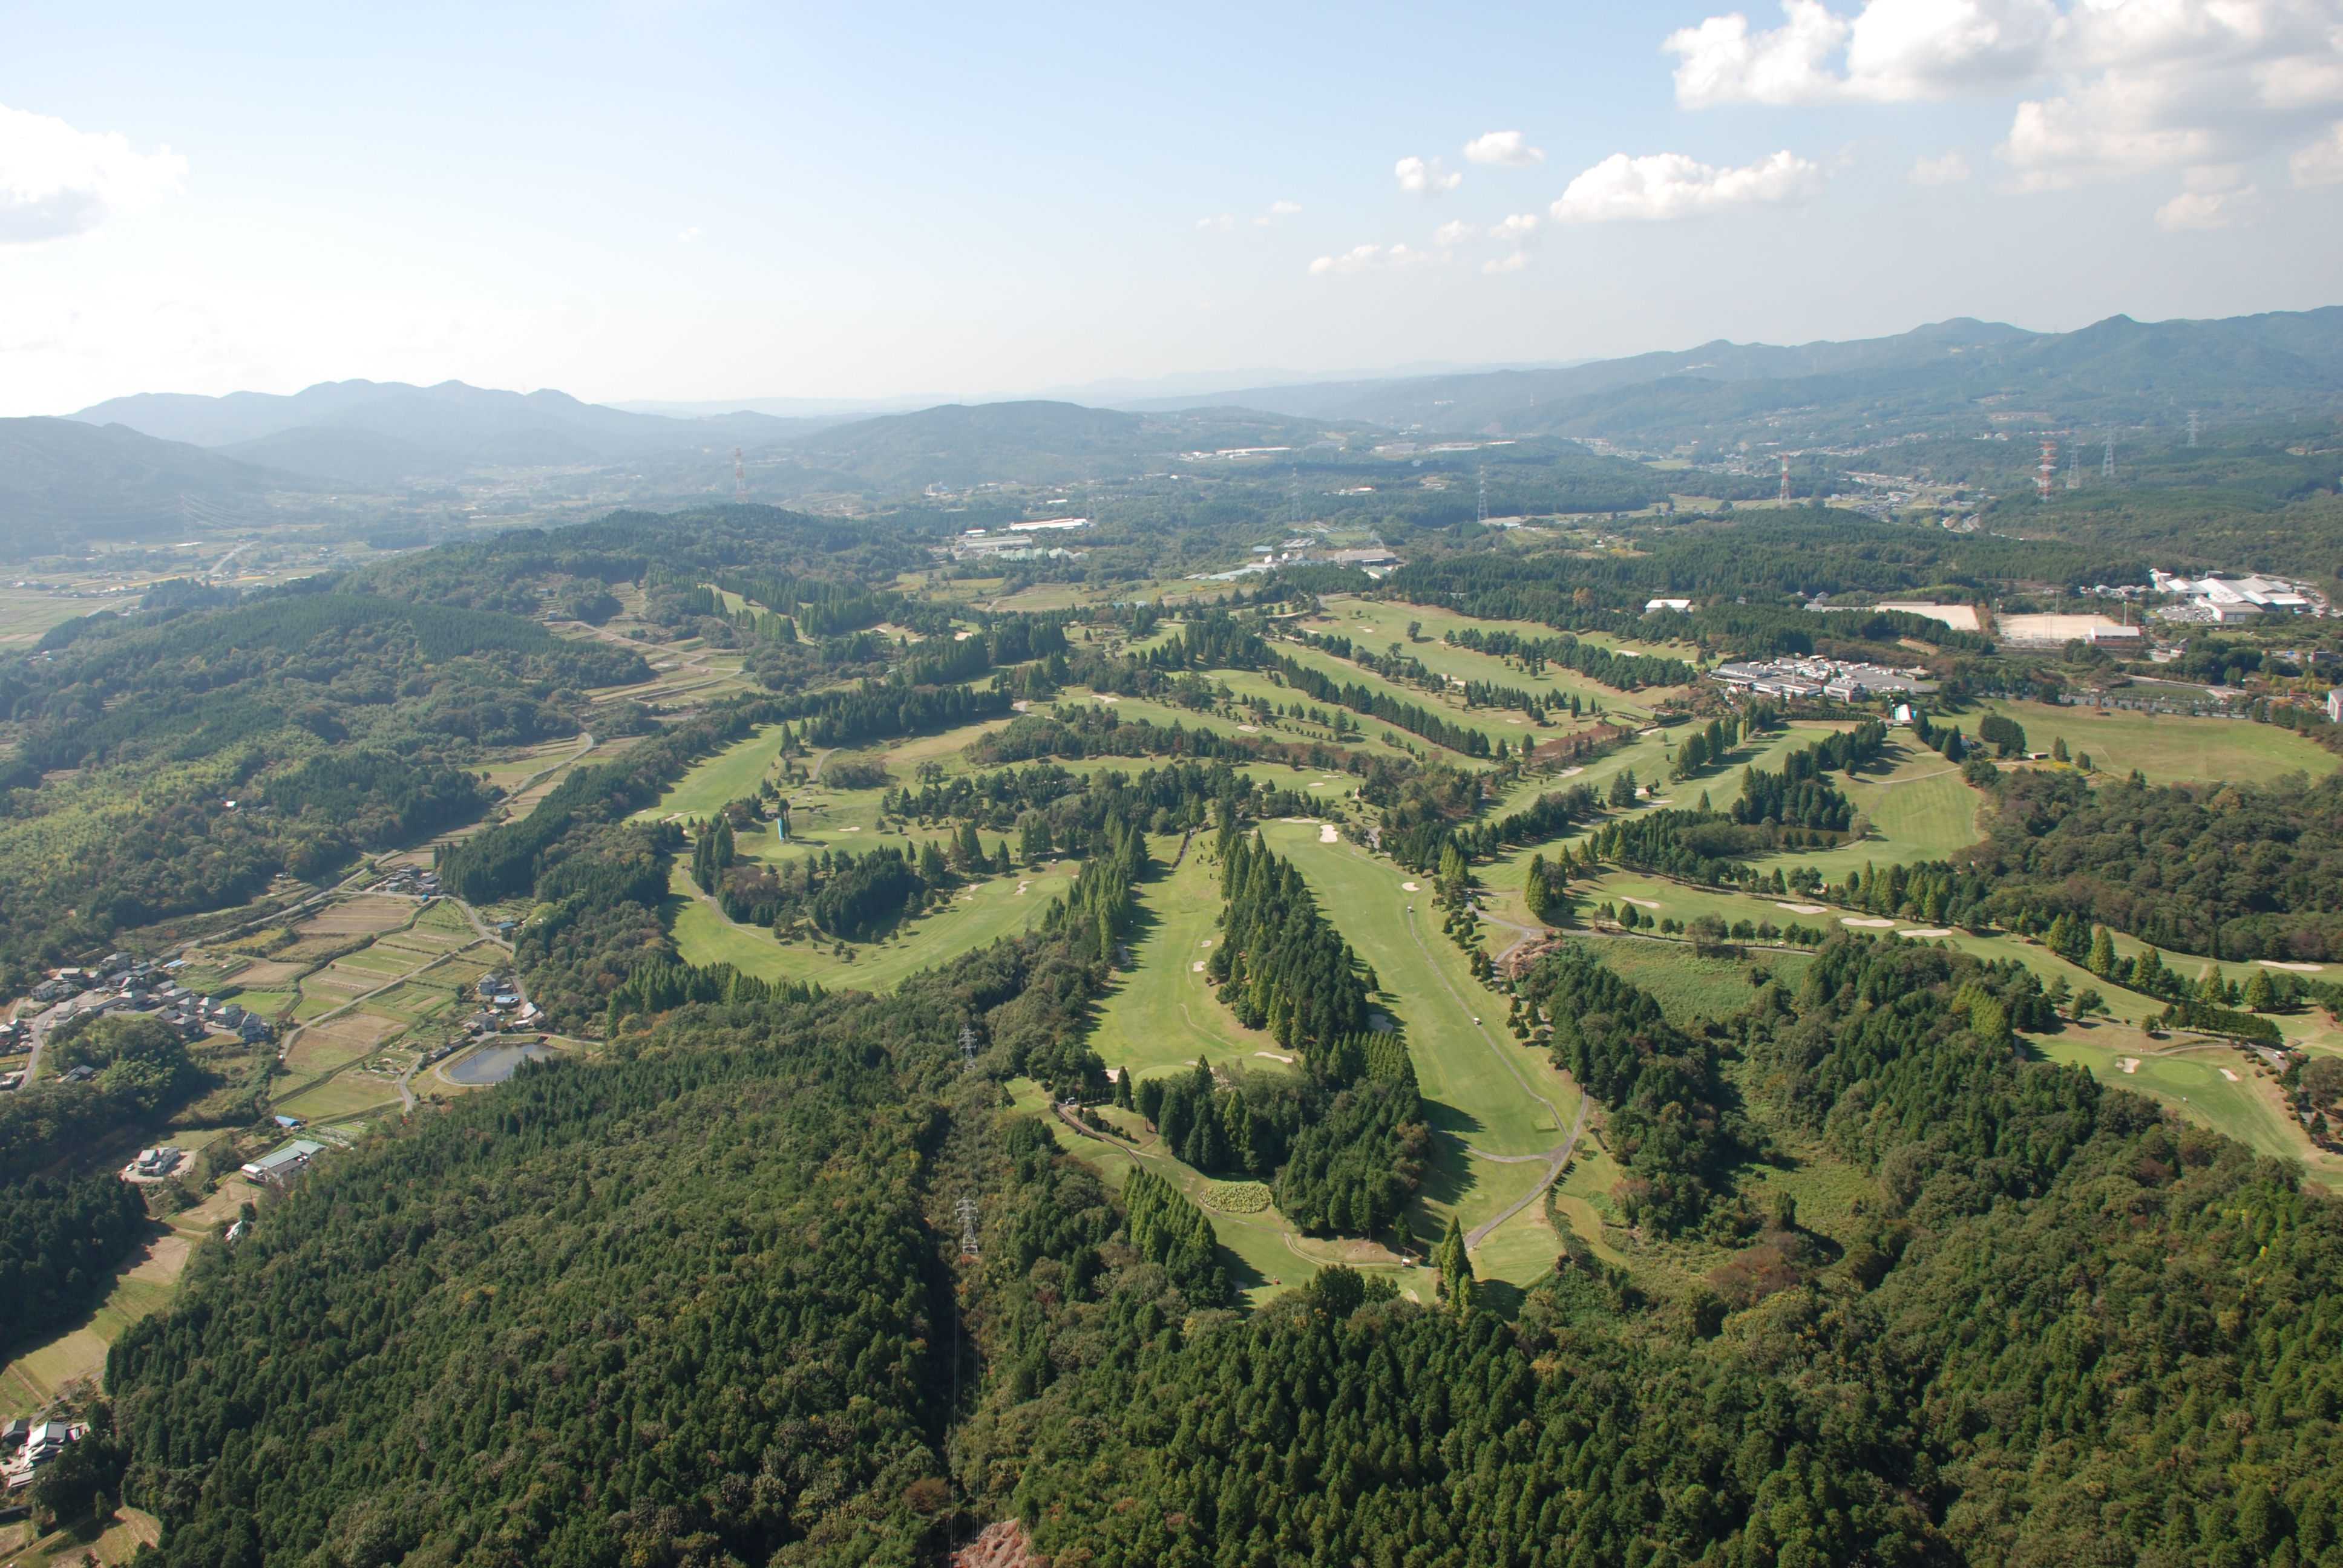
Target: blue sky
{"points": [[700, 201]]}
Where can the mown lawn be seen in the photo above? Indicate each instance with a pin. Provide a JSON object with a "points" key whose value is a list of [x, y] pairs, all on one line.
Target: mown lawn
{"points": [[2168, 748]]}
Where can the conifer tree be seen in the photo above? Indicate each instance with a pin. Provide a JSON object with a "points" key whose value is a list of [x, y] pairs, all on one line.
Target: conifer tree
{"points": [[2101, 961], [2260, 996], [1455, 1266]]}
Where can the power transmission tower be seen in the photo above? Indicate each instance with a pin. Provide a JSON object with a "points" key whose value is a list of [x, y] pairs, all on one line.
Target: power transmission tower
{"points": [[2074, 466], [1485, 498], [965, 1210], [2192, 427], [967, 1048], [2049, 466], [739, 477], [1293, 494], [2108, 457]]}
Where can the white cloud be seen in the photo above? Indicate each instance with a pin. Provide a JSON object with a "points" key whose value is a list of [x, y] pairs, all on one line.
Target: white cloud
{"points": [[1892, 51], [1668, 186], [1512, 262], [1518, 227], [691, 235], [2207, 209], [2320, 162], [1950, 170], [1219, 223], [2125, 85], [1397, 257], [1454, 232], [1510, 149], [1424, 177], [1277, 210], [56, 182]]}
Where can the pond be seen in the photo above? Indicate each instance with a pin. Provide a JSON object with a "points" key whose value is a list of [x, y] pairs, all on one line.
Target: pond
{"points": [[495, 1063]]}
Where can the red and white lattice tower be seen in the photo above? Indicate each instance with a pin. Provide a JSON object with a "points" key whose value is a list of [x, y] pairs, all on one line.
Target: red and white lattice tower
{"points": [[739, 477], [2049, 466], [1785, 479]]}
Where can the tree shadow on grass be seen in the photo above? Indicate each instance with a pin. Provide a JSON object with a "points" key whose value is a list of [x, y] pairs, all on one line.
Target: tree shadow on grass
{"points": [[1502, 1297]]}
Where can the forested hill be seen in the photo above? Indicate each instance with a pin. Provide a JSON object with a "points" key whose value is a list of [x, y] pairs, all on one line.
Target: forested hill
{"points": [[217, 744], [697, 1305]]}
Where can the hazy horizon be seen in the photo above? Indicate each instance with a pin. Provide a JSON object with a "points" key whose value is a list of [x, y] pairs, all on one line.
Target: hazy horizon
{"points": [[696, 205]]}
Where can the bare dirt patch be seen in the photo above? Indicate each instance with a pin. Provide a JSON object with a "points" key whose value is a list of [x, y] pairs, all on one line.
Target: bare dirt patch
{"points": [[163, 1260]]}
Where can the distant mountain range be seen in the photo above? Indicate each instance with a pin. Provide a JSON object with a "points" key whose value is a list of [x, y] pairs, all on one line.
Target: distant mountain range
{"points": [[1953, 376], [134, 465], [63, 483], [385, 433]]}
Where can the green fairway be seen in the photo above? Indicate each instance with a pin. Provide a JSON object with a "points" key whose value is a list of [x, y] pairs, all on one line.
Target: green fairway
{"points": [[1480, 1087], [1502, 878], [730, 774], [1385, 624], [1496, 723], [2168, 747], [1919, 809], [977, 915], [2220, 1086], [1161, 1014]]}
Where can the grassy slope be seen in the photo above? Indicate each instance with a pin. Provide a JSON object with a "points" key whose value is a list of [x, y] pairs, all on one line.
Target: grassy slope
{"points": [[977, 915], [2170, 747]]}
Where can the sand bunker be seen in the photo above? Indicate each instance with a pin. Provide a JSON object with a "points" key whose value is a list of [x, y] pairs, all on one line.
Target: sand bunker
{"points": [[1802, 909]]}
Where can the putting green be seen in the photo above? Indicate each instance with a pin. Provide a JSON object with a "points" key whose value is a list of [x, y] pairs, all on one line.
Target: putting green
{"points": [[2217, 1086]]}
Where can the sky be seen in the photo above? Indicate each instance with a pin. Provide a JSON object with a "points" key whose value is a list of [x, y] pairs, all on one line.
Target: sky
{"points": [[674, 200]]}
